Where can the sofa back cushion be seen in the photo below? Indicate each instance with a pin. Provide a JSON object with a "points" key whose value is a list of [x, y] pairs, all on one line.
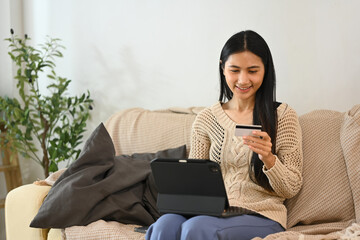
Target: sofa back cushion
{"points": [[350, 142], [137, 130], [326, 196]]}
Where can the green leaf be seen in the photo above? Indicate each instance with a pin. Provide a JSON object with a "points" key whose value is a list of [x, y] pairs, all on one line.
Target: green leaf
{"points": [[51, 76], [82, 98], [17, 113], [53, 167], [28, 73], [12, 56], [69, 102]]}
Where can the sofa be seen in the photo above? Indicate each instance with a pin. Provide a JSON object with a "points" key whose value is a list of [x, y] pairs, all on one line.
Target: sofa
{"points": [[327, 206]]}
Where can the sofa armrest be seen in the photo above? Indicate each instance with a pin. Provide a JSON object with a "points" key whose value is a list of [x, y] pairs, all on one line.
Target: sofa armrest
{"points": [[21, 206]]}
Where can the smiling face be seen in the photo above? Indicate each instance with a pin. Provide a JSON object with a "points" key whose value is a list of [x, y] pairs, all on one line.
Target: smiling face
{"points": [[244, 73]]}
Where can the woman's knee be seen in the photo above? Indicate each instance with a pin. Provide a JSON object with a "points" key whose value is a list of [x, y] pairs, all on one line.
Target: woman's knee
{"points": [[197, 228], [166, 227]]}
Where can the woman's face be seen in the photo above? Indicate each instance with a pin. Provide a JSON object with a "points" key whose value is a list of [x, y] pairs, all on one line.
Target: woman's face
{"points": [[244, 73]]}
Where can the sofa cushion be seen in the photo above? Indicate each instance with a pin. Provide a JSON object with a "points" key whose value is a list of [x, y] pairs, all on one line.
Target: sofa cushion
{"points": [[104, 230], [100, 185], [139, 130], [350, 142], [326, 196]]}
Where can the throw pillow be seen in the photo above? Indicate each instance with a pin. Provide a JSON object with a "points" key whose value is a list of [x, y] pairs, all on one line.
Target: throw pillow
{"points": [[325, 196], [100, 185], [350, 142]]}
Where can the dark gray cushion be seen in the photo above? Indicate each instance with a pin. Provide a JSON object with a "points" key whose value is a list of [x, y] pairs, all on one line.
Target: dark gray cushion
{"points": [[100, 185]]}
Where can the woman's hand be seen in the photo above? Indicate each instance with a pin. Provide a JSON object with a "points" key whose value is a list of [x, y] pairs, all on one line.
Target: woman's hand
{"points": [[260, 143]]}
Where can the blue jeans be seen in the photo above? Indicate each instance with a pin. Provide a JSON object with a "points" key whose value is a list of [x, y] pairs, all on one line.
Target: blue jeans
{"points": [[174, 226]]}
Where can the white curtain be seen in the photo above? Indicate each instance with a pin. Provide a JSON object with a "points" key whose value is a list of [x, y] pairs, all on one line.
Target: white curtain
{"points": [[10, 17], [6, 82]]}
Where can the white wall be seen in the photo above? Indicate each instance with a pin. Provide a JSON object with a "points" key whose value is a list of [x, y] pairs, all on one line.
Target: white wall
{"points": [[160, 53], [133, 53]]}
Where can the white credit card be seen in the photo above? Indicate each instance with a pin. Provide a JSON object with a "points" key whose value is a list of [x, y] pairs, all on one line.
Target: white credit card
{"points": [[246, 130]]}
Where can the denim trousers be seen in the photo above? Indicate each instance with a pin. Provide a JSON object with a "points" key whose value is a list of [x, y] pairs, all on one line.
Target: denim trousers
{"points": [[174, 226]]}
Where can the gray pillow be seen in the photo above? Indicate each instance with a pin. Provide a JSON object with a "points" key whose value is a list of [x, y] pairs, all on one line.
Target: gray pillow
{"points": [[100, 185]]}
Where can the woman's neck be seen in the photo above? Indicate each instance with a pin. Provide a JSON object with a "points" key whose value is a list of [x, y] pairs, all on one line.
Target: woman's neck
{"points": [[240, 112], [240, 105]]}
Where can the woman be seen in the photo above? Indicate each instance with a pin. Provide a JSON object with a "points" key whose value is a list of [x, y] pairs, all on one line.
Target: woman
{"points": [[260, 171]]}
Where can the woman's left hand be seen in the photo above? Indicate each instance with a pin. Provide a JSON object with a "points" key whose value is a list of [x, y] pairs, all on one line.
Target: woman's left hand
{"points": [[260, 143]]}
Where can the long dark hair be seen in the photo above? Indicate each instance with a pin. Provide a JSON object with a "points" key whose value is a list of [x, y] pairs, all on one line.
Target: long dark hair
{"points": [[264, 112]]}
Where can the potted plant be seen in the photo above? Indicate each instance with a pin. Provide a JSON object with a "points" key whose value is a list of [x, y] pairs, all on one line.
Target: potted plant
{"points": [[45, 126]]}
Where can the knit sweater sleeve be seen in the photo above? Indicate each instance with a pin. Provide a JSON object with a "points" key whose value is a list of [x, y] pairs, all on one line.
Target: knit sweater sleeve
{"points": [[200, 141], [285, 176]]}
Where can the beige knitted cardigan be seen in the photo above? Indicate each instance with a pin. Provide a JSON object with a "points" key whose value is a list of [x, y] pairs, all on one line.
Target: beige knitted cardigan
{"points": [[213, 138]]}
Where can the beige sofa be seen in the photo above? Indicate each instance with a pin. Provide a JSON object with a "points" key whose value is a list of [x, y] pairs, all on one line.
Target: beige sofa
{"points": [[327, 207]]}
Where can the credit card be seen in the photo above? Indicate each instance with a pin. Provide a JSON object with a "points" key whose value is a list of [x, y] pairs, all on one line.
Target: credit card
{"points": [[246, 130]]}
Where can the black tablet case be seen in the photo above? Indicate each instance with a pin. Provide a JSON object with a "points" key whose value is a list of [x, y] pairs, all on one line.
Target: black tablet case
{"points": [[189, 187]]}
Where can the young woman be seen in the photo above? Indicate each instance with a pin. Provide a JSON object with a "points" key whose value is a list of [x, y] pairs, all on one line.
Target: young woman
{"points": [[261, 170]]}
